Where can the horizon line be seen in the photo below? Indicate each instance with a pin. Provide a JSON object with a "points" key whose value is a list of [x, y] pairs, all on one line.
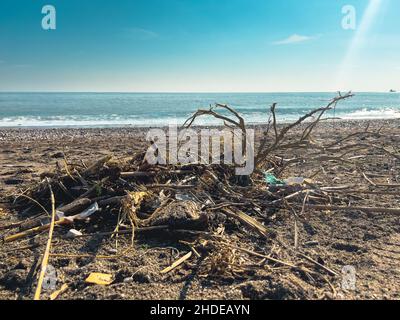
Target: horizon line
{"points": [[192, 92]]}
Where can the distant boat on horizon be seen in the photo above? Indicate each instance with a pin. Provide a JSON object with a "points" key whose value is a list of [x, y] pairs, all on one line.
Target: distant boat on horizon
{"points": [[392, 91]]}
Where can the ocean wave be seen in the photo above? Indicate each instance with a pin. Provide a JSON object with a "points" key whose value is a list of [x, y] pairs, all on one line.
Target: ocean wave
{"points": [[115, 120], [365, 114], [60, 122]]}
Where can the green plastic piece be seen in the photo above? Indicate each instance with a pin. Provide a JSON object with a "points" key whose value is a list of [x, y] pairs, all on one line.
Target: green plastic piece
{"points": [[270, 179]]}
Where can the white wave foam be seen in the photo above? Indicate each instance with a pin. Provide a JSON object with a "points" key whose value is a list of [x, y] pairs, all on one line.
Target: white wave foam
{"points": [[364, 114], [60, 122], [120, 121]]}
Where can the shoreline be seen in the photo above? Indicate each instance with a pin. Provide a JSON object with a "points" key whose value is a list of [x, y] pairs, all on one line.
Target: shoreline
{"points": [[389, 121]]}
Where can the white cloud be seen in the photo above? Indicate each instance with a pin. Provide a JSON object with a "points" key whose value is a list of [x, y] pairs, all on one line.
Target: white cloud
{"points": [[294, 38]]}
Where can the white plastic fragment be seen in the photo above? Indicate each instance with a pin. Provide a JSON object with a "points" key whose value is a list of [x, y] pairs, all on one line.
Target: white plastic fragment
{"points": [[184, 197], [73, 234], [88, 212]]}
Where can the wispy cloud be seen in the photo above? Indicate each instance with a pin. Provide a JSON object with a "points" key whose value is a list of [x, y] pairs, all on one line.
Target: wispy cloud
{"points": [[294, 38], [140, 33]]}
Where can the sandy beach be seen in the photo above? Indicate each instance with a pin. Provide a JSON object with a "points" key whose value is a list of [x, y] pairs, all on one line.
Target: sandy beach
{"points": [[367, 241], [199, 157]]}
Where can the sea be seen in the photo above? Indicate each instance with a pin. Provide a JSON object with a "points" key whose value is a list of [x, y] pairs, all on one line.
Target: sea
{"points": [[58, 110]]}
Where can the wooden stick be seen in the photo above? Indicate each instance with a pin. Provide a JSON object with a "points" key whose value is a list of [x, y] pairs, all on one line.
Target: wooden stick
{"points": [[330, 271], [113, 200], [56, 293], [93, 188], [368, 179], [128, 231], [97, 165], [35, 230], [394, 185], [11, 226], [395, 211], [75, 206], [177, 263], [48, 246], [260, 255], [140, 174], [248, 221], [34, 201], [388, 193], [137, 174], [170, 186]]}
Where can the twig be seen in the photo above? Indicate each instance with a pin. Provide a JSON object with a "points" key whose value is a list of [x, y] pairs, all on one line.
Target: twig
{"points": [[248, 221], [177, 263], [56, 293], [48, 246], [170, 186], [394, 211]]}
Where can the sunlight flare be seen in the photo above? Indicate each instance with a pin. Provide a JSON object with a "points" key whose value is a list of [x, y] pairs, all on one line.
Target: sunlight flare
{"points": [[353, 52]]}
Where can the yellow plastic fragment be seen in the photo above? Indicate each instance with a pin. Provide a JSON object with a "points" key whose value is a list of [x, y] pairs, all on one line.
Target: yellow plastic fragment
{"points": [[102, 279]]}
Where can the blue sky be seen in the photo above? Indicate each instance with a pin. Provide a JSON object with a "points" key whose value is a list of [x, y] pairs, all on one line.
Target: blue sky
{"points": [[199, 46]]}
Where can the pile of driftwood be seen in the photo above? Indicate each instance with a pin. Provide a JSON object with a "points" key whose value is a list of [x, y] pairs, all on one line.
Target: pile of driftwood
{"points": [[199, 205]]}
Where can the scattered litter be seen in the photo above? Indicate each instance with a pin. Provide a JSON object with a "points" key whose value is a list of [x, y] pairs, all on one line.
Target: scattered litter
{"points": [[184, 197], [223, 218], [128, 280], [296, 181], [270, 179], [71, 234], [88, 212], [102, 279]]}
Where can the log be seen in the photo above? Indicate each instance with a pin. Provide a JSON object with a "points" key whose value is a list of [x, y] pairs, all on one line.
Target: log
{"points": [[97, 165], [113, 200], [75, 206]]}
